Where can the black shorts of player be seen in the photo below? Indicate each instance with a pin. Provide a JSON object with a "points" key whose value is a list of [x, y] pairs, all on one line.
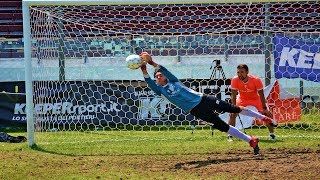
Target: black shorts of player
{"points": [[205, 110]]}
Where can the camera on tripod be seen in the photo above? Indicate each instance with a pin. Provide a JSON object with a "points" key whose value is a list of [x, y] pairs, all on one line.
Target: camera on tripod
{"points": [[217, 70], [217, 63]]}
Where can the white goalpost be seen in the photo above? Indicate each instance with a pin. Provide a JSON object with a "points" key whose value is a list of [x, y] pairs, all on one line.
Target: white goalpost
{"points": [[77, 80]]}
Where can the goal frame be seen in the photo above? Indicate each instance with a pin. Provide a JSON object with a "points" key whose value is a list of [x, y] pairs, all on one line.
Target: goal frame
{"points": [[27, 40]]}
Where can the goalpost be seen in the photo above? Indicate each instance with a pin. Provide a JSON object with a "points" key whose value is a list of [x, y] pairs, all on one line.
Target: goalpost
{"points": [[77, 79]]}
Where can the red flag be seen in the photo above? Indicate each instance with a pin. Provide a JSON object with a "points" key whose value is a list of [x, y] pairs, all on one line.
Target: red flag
{"points": [[284, 105]]}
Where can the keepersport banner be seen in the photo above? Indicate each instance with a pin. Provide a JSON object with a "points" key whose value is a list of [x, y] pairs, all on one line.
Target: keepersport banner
{"points": [[101, 102]]}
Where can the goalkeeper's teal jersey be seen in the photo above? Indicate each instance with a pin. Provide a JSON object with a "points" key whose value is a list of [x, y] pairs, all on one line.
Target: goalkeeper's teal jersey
{"points": [[174, 91]]}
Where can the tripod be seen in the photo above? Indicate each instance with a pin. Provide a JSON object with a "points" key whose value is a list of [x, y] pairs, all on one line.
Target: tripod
{"points": [[217, 70], [218, 74]]}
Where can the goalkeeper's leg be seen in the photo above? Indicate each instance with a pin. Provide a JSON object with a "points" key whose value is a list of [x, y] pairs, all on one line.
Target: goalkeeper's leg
{"points": [[227, 107], [224, 127], [232, 122], [219, 124], [248, 112]]}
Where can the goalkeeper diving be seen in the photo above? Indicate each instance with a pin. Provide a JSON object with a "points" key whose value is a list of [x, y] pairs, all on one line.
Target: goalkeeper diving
{"points": [[198, 104]]}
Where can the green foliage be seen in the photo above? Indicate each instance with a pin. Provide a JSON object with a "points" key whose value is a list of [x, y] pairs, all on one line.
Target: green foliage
{"points": [[13, 128]]}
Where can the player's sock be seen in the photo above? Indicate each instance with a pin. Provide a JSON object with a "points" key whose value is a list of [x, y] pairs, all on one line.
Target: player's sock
{"points": [[272, 137], [271, 134], [229, 138], [250, 113], [235, 132]]}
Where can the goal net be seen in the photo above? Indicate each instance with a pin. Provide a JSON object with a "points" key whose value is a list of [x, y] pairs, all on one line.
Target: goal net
{"points": [[81, 85]]}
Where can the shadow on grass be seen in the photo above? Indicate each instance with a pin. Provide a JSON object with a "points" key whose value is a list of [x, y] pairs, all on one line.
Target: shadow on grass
{"points": [[268, 141], [199, 164], [38, 148]]}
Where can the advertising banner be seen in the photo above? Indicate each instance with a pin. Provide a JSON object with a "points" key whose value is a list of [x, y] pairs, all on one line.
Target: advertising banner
{"points": [[296, 59], [101, 102]]}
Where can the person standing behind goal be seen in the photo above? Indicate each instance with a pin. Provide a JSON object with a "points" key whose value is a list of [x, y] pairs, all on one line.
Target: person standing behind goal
{"points": [[198, 104], [250, 89]]}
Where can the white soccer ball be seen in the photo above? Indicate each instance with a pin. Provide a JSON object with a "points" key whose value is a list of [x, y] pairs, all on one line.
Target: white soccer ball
{"points": [[134, 61]]}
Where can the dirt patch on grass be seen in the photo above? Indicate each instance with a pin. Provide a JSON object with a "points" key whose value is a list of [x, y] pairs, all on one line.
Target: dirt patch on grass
{"points": [[238, 164], [271, 164]]}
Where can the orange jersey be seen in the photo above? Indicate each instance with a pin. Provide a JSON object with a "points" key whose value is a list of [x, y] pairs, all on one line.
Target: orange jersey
{"points": [[248, 92]]}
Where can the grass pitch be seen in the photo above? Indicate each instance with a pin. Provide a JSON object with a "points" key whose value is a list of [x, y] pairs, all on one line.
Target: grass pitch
{"points": [[166, 155]]}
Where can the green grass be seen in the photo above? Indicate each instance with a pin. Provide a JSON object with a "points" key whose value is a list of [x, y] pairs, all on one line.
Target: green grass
{"points": [[140, 154], [116, 143], [109, 158], [170, 141]]}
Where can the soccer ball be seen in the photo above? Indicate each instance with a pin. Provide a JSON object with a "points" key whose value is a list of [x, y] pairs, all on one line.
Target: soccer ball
{"points": [[134, 61]]}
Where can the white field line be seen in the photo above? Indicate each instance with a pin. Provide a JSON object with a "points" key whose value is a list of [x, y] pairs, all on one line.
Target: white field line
{"points": [[168, 139]]}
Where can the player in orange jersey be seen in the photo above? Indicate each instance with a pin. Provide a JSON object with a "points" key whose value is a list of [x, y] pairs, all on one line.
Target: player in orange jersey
{"points": [[250, 89]]}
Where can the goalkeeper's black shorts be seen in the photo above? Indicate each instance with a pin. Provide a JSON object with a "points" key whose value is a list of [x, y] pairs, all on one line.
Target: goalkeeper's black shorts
{"points": [[208, 110]]}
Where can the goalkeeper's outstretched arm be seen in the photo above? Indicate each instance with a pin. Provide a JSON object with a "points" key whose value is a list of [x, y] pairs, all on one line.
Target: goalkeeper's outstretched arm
{"points": [[146, 57], [149, 81]]}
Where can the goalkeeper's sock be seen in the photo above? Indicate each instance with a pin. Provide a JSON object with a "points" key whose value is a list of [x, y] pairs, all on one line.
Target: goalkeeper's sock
{"points": [[250, 113], [235, 132]]}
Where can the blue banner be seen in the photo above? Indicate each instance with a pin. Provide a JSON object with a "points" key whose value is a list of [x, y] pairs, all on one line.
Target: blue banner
{"points": [[296, 59]]}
